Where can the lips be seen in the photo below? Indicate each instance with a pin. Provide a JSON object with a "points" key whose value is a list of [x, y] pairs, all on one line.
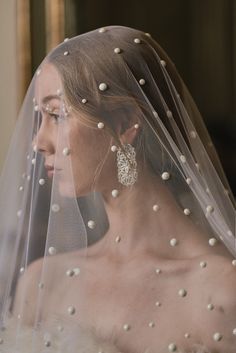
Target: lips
{"points": [[51, 170]]}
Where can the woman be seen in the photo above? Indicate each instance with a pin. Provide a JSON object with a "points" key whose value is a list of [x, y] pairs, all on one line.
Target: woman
{"points": [[127, 244]]}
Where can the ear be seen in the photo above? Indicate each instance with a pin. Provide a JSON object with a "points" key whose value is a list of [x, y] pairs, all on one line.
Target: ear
{"points": [[129, 135], [128, 131]]}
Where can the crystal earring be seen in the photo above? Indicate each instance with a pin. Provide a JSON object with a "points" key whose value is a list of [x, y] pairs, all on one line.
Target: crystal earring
{"points": [[127, 165]]}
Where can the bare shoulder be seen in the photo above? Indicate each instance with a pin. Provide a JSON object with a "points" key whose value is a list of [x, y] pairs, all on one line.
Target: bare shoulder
{"points": [[30, 276], [52, 265], [26, 291], [44, 272], [55, 266]]}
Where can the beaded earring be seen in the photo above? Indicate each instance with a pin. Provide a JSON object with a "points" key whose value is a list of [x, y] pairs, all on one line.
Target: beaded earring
{"points": [[127, 165]]}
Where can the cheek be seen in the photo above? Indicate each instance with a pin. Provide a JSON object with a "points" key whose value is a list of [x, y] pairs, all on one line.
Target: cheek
{"points": [[89, 148]]}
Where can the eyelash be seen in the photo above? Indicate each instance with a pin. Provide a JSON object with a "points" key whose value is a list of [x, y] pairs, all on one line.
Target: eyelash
{"points": [[56, 117]]}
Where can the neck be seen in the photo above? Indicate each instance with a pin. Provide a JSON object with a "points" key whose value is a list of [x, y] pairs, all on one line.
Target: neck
{"points": [[135, 227]]}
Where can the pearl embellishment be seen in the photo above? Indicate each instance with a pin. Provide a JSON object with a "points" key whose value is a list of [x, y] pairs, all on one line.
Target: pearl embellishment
{"points": [[182, 292], [103, 86], [234, 262], [113, 148], [118, 239], [137, 41], [55, 207], [173, 242], [142, 82], [115, 193], [203, 264], [172, 347], [41, 181], [212, 241], [188, 180], [52, 250], [182, 158], [117, 50], [100, 125], [169, 114], [151, 324], [209, 209], [66, 53], [71, 310], [84, 101], [165, 176], [91, 224], [187, 211], [210, 306], [136, 126], [158, 271], [70, 273], [126, 327], [155, 208], [163, 63], [217, 336], [102, 30], [66, 151]]}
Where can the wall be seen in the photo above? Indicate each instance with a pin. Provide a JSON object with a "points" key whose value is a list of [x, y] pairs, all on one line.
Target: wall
{"points": [[8, 74]]}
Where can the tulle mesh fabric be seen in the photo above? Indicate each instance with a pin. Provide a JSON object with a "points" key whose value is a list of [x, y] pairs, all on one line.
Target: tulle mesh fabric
{"points": [[65, 284]]}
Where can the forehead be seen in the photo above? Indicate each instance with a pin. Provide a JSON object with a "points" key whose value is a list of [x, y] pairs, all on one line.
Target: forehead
{"points": [[47, 83]]}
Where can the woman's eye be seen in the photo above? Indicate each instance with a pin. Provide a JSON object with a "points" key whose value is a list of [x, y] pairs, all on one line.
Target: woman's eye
{"points": [[56, 117]]}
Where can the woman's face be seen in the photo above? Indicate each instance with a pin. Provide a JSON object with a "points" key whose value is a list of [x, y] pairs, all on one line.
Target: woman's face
{"points": [[77, 154]]}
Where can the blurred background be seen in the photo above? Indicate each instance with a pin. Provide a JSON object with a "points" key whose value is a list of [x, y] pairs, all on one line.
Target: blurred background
{"points": [[198, 35]]}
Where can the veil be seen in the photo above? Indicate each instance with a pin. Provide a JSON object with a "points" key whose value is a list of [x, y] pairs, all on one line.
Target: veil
{"points": [[117, 223]]}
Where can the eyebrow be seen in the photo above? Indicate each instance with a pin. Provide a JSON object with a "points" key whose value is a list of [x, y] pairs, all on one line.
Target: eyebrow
{"points": [[49, 98]]}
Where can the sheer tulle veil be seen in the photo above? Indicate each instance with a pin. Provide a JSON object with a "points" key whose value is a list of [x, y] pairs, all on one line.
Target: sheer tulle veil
{"points": [[117, 223]]}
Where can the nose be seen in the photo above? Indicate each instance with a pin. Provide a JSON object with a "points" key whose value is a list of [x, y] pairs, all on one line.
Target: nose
{"points": [[43, 139]]}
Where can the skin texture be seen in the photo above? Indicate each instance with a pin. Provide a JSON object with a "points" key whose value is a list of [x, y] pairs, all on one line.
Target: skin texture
{"points": [[118, 283]]}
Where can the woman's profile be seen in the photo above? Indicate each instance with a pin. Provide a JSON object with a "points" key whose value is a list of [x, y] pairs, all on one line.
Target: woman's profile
{"points": [[117, 221]]}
